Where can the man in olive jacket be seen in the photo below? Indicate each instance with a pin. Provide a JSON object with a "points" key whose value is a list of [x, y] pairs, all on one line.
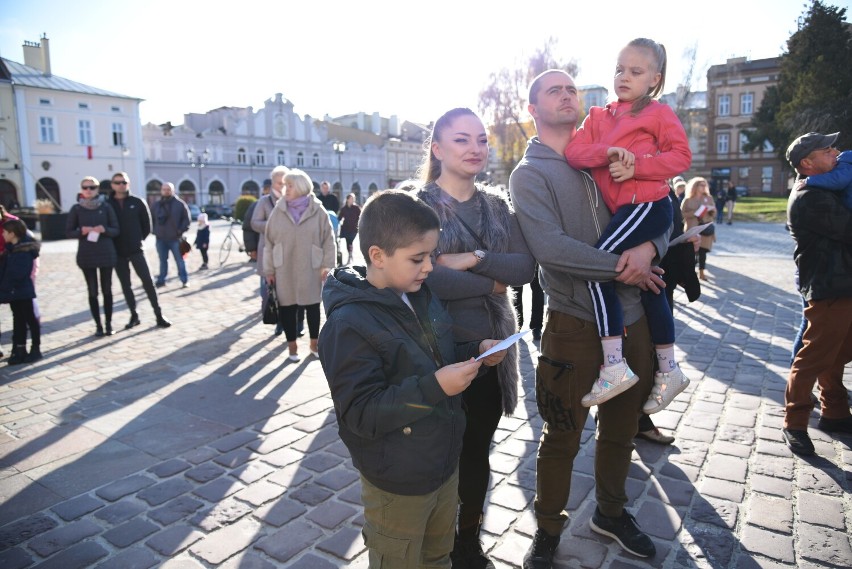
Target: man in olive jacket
{"points": [[134, 221], [171, 220]]}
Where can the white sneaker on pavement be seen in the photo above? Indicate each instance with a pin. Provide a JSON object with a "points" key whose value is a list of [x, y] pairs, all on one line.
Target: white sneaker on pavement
{"points": [[613, 380], [666, 388]]}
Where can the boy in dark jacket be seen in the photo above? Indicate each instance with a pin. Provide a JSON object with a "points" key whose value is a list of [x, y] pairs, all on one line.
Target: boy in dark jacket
{"points": [[18, 289], [389, 359]]}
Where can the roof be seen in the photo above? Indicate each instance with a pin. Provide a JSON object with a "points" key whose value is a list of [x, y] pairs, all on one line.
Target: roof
{"points": [[27, 76]]}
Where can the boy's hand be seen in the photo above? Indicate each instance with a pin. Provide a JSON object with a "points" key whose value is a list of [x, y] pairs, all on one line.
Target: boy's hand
{"points": [[455, 378], [494, 358], [616, 154]]}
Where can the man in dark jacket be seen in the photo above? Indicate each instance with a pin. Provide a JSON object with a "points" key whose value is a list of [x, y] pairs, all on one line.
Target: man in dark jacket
{"points": [[251, 238], [822, 230], [134, 221], [329, 200], [171, 220]]}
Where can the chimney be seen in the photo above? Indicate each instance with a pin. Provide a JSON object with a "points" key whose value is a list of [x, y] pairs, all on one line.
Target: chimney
{"points": [[377, 123], [38, 55]]}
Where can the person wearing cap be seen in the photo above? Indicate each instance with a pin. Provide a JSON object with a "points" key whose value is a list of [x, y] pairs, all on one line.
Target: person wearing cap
{"points": [[822, 230], [838, 179], [679, 186]]}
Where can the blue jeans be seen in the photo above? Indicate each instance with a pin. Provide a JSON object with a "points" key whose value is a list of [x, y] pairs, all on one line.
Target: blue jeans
{"points": [[163, 248]]}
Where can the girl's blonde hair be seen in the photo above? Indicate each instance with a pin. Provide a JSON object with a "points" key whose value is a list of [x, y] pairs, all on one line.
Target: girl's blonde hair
{"points": [[658, 54]]}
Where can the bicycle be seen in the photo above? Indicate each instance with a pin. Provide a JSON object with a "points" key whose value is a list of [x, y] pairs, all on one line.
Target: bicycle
{"points": [[228, 243]]}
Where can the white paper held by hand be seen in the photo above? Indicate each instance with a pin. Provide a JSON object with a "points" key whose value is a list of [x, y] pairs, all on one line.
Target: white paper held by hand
{"points": [[93, 236], [504, 344], [691, 232]]}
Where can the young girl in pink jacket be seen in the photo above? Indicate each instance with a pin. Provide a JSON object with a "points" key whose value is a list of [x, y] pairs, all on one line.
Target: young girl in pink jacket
{"points": [[631, 147]]}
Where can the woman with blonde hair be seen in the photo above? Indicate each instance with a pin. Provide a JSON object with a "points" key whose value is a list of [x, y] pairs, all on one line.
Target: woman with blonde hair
{"points": [[698, 208], [299, 251]]}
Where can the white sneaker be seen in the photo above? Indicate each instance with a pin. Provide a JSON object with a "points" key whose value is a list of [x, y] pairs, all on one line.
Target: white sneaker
{"points": [[666, 387], [293, 357], [613, 380]]}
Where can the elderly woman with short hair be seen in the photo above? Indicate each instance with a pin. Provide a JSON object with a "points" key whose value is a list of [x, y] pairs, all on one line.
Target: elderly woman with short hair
{"points": [[298, 253]]}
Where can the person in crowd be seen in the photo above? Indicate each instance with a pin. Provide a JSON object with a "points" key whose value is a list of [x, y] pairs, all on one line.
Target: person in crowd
{"points": [[730, 201], [822, 230], [561, 211], [838, 178], [171, 221], [134, 224], [720, 197], [17, 288], [348, 217], [632, 146], [4, 217], [95, 225], [251, 238], [202, 238], [398, 403], [679, 267], [537, 308], [298, 252], [481, 253], [698, 208], [679, 185], [329, 200]]}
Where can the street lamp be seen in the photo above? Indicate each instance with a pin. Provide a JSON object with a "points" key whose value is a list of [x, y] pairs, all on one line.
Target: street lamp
{"points": [[200, 162], [339, 148]]}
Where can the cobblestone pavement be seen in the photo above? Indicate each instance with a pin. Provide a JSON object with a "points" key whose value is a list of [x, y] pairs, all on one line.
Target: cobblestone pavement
{"points": [[200, 446]]}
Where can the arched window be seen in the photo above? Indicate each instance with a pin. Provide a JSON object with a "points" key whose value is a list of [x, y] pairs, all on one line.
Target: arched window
{"points": [[315, 160], [48, 187], [186, 191], [241, 156], [282, 159], [300, 159], [250, 188], [261, 158], [217, 192]]}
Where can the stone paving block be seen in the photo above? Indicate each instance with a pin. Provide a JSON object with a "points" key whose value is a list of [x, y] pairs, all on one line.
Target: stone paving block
{"points": [[580, 488], [311, 494], [825, 546], [164, 491], [338, 479], [639, 471], [345, 544], [235, 458], [129, 533], [135, 558], [316, 440], [77, 507], [821, 510], [695, 434], [173, 540], [815, 479], [681, 472], [771, 485], [320, 462], [282, 457], [199, 455], [205, 472], [775, 546], [732, 449], [723, 489], [331, 514], [777, 466], [175, 510], [311, 561], [120, 511], [352, 494], [673, 492], [742, 418], [124, 487], [286, 543], [633, 488], [773, 448], [63, 537], [511, 497], [252, 472], [228, 541], [750, 562], [219, 489], [15, 558], [290, 476], [737, 434], [727, 468], [775, 514], [76, 557], [274, 441], [249, 560], [280, 512], [221, 514], [720, 513], [260, 492], [659, 519], [233, 441], [169, 468], [708, 545]]}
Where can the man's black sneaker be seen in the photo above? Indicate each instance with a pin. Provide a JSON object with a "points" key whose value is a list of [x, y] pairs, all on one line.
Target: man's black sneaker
{"points": [[798, 441], [625, 531], [835, 425], [541, 551], [467, 554]]}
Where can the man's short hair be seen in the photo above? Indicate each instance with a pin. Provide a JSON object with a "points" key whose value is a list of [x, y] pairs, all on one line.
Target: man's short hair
{"points": [[535, 86], [807, 143], [393, 219]]}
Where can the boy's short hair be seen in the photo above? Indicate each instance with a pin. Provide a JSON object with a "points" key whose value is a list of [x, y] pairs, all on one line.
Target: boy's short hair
{"points": [[15, 226], [392, 219]]}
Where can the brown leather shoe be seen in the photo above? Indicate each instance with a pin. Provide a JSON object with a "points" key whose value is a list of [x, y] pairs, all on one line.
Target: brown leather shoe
{"points": [[655, 436]]}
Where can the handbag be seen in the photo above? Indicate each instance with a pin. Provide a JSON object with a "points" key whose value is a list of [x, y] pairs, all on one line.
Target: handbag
{"points": [[184, 247], [270, 306]]}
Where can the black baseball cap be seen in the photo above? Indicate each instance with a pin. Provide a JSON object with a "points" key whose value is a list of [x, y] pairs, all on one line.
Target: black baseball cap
{"points": [[267, 182], [807, 143]]}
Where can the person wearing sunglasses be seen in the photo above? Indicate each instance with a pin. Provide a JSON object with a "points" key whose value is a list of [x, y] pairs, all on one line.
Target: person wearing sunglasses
{"points": [[94, 224]]}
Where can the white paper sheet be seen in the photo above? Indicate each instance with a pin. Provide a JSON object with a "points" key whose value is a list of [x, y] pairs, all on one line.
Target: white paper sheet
{"points": [[689, 233], [504, 344], [93, 236]]}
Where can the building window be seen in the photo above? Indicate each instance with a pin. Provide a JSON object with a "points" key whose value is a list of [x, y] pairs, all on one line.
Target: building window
{"points": [[279, 128], [723, 143], [115, 109], [300, 160], [83, 106], [84, 130], [117, 134], [743, 142], [724, 105], [743, 172], [766, 179], [746, 103], [241, 155], [44, 101], [315, 160], [47, 133], [282, 159], [261, 158], [767, 146]]}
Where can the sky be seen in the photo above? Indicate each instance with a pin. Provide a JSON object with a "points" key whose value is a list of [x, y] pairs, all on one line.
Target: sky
{"points": [[336, 57]]}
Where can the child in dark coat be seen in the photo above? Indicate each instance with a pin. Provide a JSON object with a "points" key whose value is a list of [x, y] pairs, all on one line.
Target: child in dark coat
{"points": [[18, 289], [202, 238]]}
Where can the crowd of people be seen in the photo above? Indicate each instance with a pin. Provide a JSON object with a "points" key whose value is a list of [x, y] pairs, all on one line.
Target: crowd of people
{"points": [[409, 345]]}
